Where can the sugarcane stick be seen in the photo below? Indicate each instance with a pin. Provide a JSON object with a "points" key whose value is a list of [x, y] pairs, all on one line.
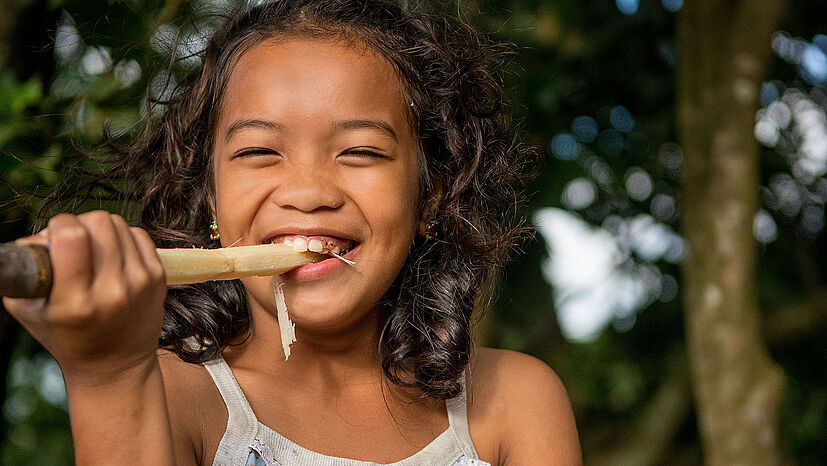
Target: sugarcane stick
{"points": [[184, 265], [26, 271]]}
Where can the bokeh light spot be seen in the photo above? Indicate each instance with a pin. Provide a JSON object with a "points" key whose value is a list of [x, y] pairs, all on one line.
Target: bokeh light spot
{"points": [[663, 207], [812, 219], [564, 146], [96, 60], [621, 119], [764, 228], [780, 114], [814, 64], [599, 171], [578, 194], [670, 157], [638, 184], [612, 224], [787, 192], [127, 72], [648, 238], [788, 48], [51, 385], [766, 133], [584, 128], [672, 5], [163, 39], [624, 323], [668, 288], [769, 94], [162, 88], [68, 43], [191, 46], [821, 189], [677, 250], [627, 7]]}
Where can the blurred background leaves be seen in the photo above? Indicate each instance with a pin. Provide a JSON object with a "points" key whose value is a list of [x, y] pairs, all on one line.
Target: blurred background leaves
{"points": [[599, 294]]}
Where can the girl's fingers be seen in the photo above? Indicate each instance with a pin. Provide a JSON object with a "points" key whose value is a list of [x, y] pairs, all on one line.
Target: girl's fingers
{"points": [[141, 264], [146, 247], [70, 248], [132, 259], [106, 255], [40, 239], [99, 264], [23, 309]]}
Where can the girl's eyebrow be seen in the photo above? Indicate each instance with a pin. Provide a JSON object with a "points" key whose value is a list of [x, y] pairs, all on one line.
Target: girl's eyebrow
{"points": [[383, 126], [251, 123], [341, 125]]}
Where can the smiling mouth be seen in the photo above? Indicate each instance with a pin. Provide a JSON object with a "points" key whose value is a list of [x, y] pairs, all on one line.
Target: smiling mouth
{"points": [[319, 244]]}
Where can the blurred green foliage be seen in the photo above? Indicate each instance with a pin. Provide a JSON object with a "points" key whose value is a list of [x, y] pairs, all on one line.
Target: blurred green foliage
{"points": [[35, 410], [601, 80]]}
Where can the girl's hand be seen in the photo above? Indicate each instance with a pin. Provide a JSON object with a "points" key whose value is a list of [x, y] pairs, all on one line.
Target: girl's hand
{"points": [[101, 323], [103, 317]]}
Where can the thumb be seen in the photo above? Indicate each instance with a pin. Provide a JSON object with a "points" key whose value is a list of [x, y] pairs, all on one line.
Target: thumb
{"points": [[25, 311]]}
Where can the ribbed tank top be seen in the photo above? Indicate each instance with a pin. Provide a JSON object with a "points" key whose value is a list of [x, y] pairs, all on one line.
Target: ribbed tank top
{"points": [[246, 441]]}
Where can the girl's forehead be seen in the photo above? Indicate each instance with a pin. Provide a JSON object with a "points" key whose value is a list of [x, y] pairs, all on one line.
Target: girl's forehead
{"points": [[302, 74]]}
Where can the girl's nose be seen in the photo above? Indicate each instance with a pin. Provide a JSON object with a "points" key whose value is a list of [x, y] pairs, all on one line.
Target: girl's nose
{"points": [[308, 188]]}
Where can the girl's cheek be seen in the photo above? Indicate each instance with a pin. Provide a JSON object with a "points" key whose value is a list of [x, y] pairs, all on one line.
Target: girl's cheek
{"points": [[238, 196]]}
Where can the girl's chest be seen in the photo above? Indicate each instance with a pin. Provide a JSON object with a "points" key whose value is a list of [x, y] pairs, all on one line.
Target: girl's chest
{"points": [[365, 426], [364, 433]]}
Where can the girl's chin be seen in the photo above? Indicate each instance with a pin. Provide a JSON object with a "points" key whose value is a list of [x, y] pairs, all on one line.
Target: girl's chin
{"points": [[331, 323], [317, 309]]}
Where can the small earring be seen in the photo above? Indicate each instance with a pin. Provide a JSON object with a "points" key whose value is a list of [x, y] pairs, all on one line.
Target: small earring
{"points": [[214, 235], [431, 229]]}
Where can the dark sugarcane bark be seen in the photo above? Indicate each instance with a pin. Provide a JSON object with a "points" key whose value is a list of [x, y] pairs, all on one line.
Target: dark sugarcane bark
{"points": [[25, 271]]}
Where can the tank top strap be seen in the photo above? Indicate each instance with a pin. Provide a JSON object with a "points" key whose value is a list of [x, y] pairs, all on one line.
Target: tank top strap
{"points": [[242, 425], [457, 408]]}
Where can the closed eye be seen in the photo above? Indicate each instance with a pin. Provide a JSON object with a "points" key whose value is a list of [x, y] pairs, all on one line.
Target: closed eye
{"points": [[254, 151], [365, 153]]}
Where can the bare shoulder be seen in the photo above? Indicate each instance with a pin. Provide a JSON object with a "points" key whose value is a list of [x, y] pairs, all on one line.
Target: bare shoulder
{"points": [[519, 411], [197, 413]]}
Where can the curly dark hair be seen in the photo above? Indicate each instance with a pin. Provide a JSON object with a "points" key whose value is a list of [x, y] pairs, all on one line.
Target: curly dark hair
{"points": [[472, 167]]}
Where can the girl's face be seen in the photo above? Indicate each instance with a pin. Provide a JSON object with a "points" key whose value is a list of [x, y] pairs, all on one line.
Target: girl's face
{"points": [[314, 143]]}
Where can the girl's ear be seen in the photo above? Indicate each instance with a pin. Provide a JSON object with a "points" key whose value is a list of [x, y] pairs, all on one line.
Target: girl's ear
{"points": [[427, 222], [421, 229]]}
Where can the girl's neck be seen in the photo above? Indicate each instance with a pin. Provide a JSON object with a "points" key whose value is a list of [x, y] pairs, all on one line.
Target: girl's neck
{"points": [[329, 358]]}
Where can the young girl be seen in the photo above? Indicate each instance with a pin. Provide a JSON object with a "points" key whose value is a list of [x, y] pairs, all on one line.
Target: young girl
{"points": [[360, 124]]}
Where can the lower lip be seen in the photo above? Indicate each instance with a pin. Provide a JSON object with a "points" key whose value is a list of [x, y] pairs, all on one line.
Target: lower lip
{"points": [[320, 269]]}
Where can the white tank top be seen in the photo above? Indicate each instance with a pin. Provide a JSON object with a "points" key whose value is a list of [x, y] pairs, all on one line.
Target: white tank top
{"points": [[249, 442]]}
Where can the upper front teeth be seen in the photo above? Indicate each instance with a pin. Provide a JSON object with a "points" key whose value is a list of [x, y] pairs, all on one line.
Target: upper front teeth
{"points": [[300, 244], [315, 245]]}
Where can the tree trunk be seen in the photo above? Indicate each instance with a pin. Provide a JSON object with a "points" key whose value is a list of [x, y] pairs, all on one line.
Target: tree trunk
{"points": [[723, 53]]}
